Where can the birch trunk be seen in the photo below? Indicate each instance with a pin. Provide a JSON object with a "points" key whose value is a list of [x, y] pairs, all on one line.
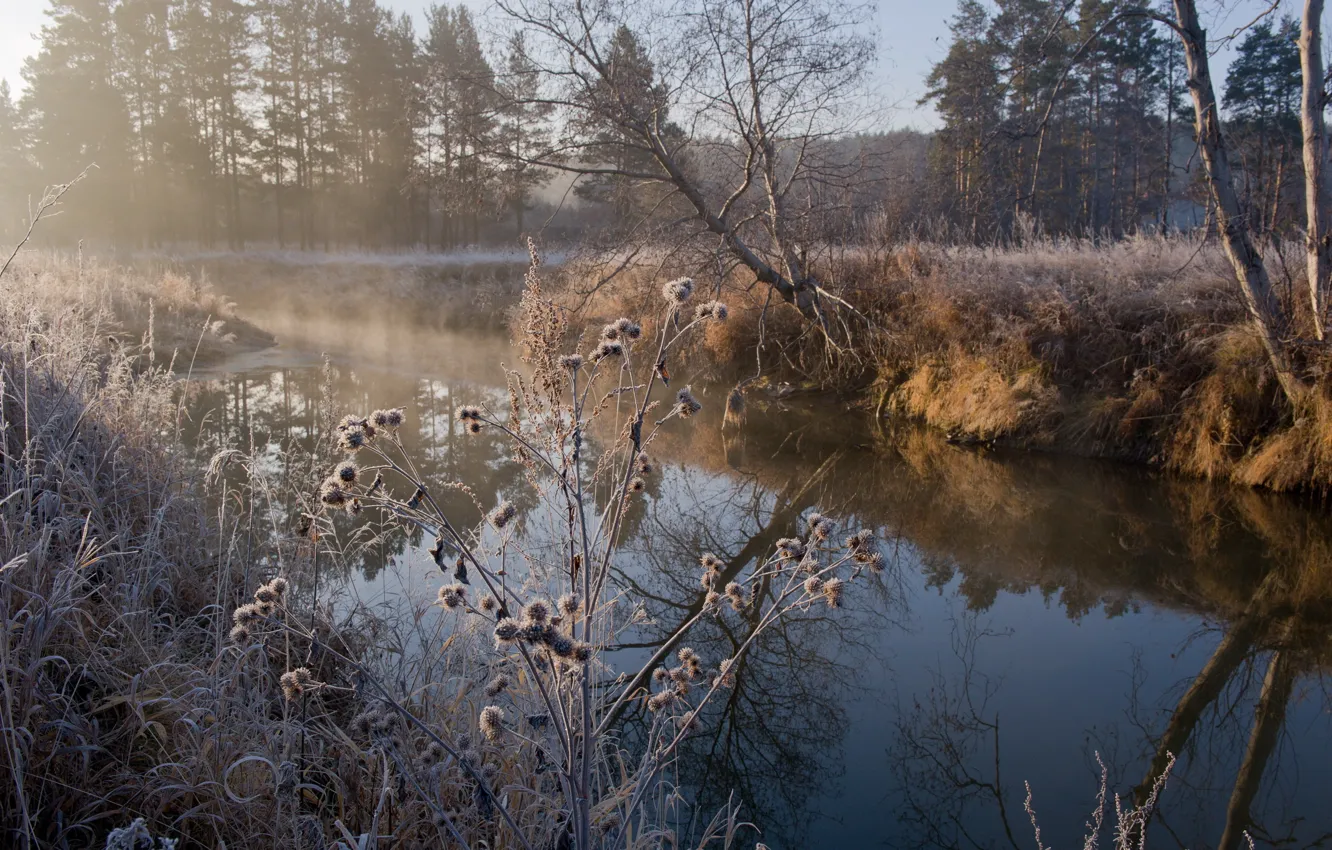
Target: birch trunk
{"points": [[1269, 320], [1318, 243]]}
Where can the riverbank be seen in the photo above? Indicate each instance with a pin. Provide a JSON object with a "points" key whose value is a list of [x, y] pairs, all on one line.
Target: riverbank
{"points": [[157, 314], [1137, 351]]}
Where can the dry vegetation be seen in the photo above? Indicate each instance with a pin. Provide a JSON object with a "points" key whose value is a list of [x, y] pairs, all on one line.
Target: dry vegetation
{"points": [[180, 318], [1138, 350]]}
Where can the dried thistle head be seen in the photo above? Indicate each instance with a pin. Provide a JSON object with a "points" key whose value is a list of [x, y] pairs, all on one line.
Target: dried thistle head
{"points": [[637, 484], [296, 682], [678, 291], [491, 723], [813, 585], [332, 493], [346, 472], [502, 515], [820, 527], [685, 403], [606, 348], [790, 548], [488, 604], [572, 362], [711, 310], [569, 605], [832, 591], [644, 464], [537, 612], [452, 596], [507, 631], [497, 686]]}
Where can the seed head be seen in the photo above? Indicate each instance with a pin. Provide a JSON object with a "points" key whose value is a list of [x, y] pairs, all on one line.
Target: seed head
{"points": [[790, 548], [452, 596], [661, 675], [813, 585], [265, 595], [569, 604], [537, 612], [247, 614], [507, 631], [433, 754], [346, 472], [469, 414], [832, 591], [622, 329], [572, 362], [660, 700], [712, 310], [686, 405], [686, 655], [644, 464], [363, 723], [389, 420], [560, 644], [497, 686], [606, 348], [240, 633], [488, 604], [582, 652], [296, 682], [678, 291], [279, 586], [502, 515], [737, 596], [492, 722], [353, 438], [820, 527], [332, 493], [710, 562], [637, 485]]}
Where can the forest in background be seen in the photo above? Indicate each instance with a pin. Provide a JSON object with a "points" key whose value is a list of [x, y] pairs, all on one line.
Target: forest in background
{"points": [[336, 124]]}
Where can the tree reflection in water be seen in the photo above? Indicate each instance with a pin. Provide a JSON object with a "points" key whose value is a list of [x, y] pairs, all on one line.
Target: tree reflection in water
{"points": [[1251, 573]]}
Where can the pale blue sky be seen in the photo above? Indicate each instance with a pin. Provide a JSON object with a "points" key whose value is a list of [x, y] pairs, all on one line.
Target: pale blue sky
{"points": [[913, 35]]}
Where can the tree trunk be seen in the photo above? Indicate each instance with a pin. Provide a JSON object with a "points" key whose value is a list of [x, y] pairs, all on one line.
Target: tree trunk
{"points": [[1267, 722], [1318, 243], [1265, 311]]}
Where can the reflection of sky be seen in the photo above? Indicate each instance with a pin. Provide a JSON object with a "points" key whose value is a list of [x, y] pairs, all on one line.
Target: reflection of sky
{"points": [[1066, 685]]}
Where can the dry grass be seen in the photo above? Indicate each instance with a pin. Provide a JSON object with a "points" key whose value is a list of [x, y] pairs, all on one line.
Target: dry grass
{"points": [[1137, 350]]}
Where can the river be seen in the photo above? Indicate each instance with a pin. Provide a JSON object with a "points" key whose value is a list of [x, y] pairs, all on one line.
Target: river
{"points": [[1039, 612]]}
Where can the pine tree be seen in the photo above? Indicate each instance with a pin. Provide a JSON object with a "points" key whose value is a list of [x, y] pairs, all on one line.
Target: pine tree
{"points": [[78, 117], [15, 173], [523, 131]]}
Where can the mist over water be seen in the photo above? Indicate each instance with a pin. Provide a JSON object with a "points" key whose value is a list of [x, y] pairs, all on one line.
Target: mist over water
{"points": [[1037, 610]]}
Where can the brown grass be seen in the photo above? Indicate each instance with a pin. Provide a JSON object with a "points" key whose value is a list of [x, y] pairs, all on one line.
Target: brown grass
{"points": [[1137, 350], [180, 317]]}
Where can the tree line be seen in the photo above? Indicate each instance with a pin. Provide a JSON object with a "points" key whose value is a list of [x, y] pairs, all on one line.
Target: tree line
{"points": [[320, 123], [301, 122], [1076, 115]]}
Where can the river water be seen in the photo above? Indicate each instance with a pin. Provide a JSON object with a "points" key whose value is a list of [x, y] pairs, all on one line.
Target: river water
{"points": [[1039, 612]]}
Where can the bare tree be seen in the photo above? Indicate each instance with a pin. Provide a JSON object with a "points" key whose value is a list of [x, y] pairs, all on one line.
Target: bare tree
{"points": [[1268, 317], [734, 116]]}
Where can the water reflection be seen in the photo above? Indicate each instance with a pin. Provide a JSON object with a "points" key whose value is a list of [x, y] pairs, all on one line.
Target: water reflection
{"points": [[1037, 609]]}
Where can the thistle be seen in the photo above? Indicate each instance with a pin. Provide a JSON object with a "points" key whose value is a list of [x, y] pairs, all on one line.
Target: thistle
{"points": [[296, 682], [497, 686], [685, 403], [677, 291], [491, 723], [502, 515]]}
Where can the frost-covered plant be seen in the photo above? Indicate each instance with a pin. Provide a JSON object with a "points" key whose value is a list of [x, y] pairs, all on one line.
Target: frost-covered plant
{"points": [[543, 764]]}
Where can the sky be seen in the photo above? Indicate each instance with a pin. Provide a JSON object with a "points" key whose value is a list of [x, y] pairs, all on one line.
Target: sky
{"points": [[913, 35]]}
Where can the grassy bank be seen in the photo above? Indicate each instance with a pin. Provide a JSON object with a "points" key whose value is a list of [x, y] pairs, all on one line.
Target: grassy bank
{"points": [[167, 316], [1138, 350]]}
